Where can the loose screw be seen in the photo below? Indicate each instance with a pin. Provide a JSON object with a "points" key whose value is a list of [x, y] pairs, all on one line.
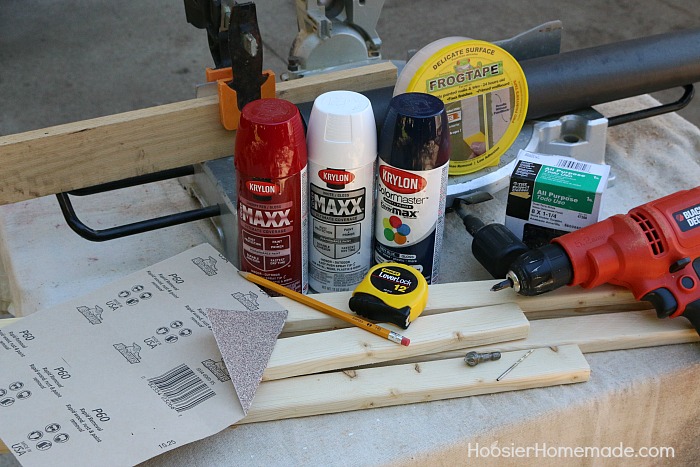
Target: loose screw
{"points": [[474, 358]]}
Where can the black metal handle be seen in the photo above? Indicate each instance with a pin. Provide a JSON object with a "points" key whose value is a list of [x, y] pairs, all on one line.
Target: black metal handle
{"points": [[689, 92], [137, 227]]}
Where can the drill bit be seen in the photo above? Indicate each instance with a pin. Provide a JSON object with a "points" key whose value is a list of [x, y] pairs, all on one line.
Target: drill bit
{"points": [[474, 358], [504, 284], [515, 364]]}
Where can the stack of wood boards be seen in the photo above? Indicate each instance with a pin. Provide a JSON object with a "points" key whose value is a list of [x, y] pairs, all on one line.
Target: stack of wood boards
{"points": [[319, 365]]}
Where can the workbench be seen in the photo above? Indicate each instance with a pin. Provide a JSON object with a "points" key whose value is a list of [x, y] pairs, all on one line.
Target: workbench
{"points": [[634, 398]]}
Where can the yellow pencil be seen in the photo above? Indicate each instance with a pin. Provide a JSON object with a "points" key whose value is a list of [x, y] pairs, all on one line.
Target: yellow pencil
{"points": [[327, 309]]}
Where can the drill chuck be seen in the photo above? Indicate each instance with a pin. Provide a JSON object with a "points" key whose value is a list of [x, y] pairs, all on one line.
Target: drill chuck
{"points": [[494, 246], [541, 270]]}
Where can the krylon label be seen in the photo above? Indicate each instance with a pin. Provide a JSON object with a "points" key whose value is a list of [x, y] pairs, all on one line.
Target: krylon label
{"points": [[335, 177], [262, 188], [400, 181]]}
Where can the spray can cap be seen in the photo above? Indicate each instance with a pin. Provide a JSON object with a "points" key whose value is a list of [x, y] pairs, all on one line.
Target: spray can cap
{"points": [[270, 140], [342, 132], [415, 135]]}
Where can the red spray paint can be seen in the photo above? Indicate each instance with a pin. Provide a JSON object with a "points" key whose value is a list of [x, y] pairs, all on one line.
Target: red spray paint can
{"points": [[270, 161]]}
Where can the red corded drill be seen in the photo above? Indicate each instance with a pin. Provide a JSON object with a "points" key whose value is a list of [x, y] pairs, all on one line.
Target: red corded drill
{"points": [[654, 251]]}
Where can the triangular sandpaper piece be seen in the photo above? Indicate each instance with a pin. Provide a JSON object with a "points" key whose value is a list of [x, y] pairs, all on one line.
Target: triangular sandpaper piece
{"points": [[246, 339]]}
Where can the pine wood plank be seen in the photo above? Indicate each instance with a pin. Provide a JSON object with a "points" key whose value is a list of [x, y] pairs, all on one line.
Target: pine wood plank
{"points": [[358, 79], [594, 333], [567, 301], [90, 152], [343, 391], [612, 331], [343, 348], [7, 321]]}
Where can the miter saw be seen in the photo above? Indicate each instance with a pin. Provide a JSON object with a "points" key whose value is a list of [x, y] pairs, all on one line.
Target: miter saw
{"points": [[336, 35]]}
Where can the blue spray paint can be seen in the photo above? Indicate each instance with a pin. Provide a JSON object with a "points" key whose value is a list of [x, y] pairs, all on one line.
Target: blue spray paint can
{"points": [[414, 155]]}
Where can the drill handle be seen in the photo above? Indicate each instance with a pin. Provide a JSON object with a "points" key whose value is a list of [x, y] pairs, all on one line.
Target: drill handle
{"points": [[666, 305], [692, 313]]}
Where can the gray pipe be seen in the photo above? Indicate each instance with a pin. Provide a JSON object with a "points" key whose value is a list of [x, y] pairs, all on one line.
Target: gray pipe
{"points": [[579, 79]]}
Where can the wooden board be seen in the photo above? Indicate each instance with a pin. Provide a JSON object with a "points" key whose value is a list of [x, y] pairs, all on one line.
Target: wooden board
{"points": [[343, 348], [90, 152], [7, 321], [567, 301], [613, 331], [342, 391], [594, 333]]}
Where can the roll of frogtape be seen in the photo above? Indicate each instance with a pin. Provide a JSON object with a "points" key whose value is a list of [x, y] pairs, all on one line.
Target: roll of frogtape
{"points": [[484, 91]]}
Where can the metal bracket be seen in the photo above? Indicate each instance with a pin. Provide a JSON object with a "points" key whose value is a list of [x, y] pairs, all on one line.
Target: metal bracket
{"points": [[148, 225]]}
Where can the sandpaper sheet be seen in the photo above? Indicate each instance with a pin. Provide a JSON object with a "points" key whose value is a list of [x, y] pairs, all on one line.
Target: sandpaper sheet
{"points": [[133, 369]]}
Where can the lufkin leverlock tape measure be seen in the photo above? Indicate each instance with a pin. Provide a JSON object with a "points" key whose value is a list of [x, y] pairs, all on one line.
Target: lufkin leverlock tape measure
{"points": [[392, 293]]}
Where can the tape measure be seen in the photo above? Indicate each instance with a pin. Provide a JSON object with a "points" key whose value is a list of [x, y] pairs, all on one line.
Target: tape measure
{"points": [[392, 293]]}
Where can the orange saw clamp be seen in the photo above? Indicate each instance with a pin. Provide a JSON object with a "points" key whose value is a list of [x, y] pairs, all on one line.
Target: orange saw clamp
{"points": [[236, 46]]}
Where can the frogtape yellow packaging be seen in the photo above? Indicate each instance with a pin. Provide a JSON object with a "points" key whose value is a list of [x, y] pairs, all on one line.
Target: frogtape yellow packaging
{"points": [[484, 91]]}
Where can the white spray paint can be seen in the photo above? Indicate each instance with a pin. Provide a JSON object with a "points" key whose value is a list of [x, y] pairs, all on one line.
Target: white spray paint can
{"points": [[342, 152]]}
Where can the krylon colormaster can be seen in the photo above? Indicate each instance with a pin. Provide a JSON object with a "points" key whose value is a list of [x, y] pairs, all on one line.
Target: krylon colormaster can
{"points": [[414, 154], [342, 153], [271, 173]]}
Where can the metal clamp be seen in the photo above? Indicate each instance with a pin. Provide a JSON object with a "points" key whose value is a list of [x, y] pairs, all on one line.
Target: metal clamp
{"points": [[137, 227]]}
